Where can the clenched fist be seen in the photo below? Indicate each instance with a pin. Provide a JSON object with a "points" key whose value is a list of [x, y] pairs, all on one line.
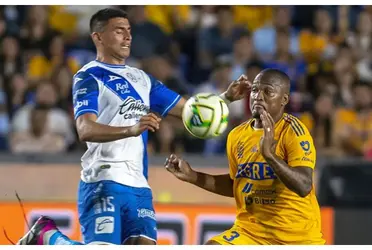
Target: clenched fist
{"points": [[147, 122]]}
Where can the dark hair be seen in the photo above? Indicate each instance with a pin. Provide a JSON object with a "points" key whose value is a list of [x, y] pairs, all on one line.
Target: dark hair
{"points": [[99, 20], [272, 72], [282, 76]]}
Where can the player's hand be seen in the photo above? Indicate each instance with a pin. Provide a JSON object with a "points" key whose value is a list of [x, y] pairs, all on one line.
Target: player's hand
{"points": [[147, 122], [267, 142], [180, 168], [238, 89]]}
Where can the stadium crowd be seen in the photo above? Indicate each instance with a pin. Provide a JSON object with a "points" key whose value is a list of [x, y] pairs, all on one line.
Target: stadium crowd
{"points": [[326, 51]]}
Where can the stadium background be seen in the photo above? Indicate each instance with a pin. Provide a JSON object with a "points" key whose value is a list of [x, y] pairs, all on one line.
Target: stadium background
{"points": [[326, 50]]}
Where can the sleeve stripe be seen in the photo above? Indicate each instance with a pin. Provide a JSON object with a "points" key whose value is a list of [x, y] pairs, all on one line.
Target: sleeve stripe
{"points": [[297, 121], [83, 111], [171, 105], [296, 126]]}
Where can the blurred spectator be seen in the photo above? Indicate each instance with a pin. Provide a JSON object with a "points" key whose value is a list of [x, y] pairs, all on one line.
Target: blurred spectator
{"points": [[3, 25], [10, 58], [148, 38], [35, 31], [37, 138], [252, 17], [61, 80], [16, 90], [319, 43], [345, 76], [43, 66], [58, 121], [72, 20], [265, 38], [320, 122], [169, 17], [171, 128], [218, 40], [283, 60], [353, 126], [203, 17], [360, 41], [243, 53]]}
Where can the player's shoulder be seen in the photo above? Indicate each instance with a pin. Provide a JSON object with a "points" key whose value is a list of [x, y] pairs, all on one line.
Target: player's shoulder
{"points": [[88, 71], [241, 128], [294, 127]]}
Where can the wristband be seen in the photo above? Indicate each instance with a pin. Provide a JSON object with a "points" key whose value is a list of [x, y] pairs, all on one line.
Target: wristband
{"points": [[223, 97]]}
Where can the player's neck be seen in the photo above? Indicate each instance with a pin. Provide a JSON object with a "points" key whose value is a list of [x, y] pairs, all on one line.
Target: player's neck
{"points": [[257, 124], [110, 59]]}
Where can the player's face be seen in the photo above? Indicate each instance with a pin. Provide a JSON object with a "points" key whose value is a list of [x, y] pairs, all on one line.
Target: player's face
{"points": [[117, 38], [266, 94]]}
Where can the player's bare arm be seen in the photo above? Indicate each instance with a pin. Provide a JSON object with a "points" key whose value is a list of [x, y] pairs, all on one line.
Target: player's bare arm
{"points": [[89, 130], [298, 179], [218, 184], [237, 90]]}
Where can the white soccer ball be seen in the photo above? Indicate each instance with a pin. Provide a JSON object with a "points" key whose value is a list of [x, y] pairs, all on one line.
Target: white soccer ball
{"points": [[205, 115]]}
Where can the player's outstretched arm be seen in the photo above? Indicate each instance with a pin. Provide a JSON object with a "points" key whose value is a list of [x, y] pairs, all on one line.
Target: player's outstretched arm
{"points": [[237, 90], [218, 184], [89, 130]]}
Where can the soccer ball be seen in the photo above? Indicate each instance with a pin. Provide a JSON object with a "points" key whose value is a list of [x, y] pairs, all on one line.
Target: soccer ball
{"points": [[205, 115]]}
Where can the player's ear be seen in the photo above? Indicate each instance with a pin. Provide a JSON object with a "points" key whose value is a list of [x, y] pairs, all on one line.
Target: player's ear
{"points": [[285, 99], [96, 37]]}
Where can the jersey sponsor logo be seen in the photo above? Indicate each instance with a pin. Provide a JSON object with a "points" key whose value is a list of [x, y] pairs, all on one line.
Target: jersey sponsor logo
{"points": [[250, 199], [104, 225], [82, 91], [133, 109], [307, 159], [144, 212], [255, 171], [80, 104], [123, 88]]}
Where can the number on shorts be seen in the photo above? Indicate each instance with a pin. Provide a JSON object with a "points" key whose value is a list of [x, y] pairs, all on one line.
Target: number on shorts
{"points": [[234, 234], [107, 206]]}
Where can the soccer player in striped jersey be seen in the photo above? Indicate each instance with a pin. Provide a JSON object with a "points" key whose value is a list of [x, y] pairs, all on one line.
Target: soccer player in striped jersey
{"points": [[271, 159]]}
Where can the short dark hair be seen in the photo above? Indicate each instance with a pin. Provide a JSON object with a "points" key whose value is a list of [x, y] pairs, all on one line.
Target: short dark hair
{"points": [[275, 73], [99, 20]]}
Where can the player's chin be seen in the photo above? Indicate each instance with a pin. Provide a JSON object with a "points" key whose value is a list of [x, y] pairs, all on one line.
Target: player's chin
{"points": [[256, 112], [124, 53]]}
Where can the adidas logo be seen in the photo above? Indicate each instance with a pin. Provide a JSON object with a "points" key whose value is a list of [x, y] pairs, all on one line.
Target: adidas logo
{"points": [[254, 149]]}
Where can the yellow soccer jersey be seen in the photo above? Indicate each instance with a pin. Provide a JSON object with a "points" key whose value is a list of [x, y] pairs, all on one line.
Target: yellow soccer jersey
{"points": [[265, 207]]}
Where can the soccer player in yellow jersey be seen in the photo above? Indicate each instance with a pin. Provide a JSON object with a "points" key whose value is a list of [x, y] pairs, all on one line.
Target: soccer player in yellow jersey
{"points": [[271, 160]]}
